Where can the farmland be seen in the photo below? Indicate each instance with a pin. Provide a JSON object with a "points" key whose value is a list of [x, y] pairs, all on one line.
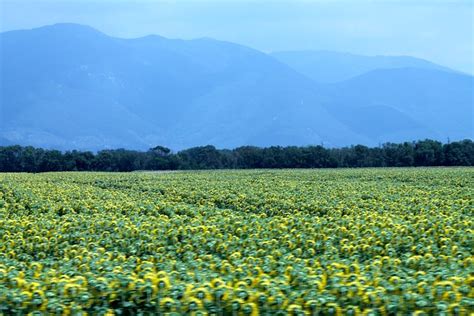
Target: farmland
{"points": [[286, 242]]}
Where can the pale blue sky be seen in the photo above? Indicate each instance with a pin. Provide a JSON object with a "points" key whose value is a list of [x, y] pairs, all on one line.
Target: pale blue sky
{"points": [[440, 31]]}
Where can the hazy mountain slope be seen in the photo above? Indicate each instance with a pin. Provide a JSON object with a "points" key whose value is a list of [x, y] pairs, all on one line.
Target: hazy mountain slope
{"points": [[406, 104], [328, 66], [5, 142], [70, 86]]}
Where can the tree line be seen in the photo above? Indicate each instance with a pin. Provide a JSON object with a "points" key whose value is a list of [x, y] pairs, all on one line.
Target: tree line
{"points": [[407, 154]]}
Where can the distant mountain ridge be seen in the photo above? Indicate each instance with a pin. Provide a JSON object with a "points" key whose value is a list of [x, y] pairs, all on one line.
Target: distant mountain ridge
{"points": [[330, 67], [424, 103], [71, 86]]}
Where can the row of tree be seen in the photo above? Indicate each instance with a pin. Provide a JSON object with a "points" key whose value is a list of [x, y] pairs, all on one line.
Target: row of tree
{"points": [[421, 153]]}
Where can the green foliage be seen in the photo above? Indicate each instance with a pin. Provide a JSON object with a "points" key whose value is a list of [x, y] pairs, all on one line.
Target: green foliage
{"points": [[421, 153]]}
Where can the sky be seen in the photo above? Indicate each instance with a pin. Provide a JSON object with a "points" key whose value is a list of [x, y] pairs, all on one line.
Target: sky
{"points": [[438, 30]]}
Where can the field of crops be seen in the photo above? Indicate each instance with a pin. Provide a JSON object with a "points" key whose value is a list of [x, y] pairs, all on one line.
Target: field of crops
{"points": [[291, 242]]}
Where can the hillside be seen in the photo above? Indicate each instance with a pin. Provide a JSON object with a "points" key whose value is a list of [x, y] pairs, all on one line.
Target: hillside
{"points": [[70, 86], [406, 104], [330, 67]]}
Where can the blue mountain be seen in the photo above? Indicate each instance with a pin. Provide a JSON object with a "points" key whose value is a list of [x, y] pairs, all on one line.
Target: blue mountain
{"points": [[329, 67], [403, 104], [71, 86]]}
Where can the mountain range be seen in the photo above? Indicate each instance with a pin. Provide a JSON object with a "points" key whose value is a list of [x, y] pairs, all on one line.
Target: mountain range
{"points": [[70, 86], [330, 67]]}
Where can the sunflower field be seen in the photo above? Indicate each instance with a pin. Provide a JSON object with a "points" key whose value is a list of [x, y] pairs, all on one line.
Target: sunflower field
{"points": [[283, 242]]}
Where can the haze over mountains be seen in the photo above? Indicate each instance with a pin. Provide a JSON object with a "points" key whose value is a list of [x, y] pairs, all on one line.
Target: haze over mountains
{"points": [[330, 67], [70, 86]]}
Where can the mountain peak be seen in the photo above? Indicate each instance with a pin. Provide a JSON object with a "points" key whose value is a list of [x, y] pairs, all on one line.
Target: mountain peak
{"points": [[58, 31], [150, 38], [70, 27], [70, 86], [329, 67]]}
